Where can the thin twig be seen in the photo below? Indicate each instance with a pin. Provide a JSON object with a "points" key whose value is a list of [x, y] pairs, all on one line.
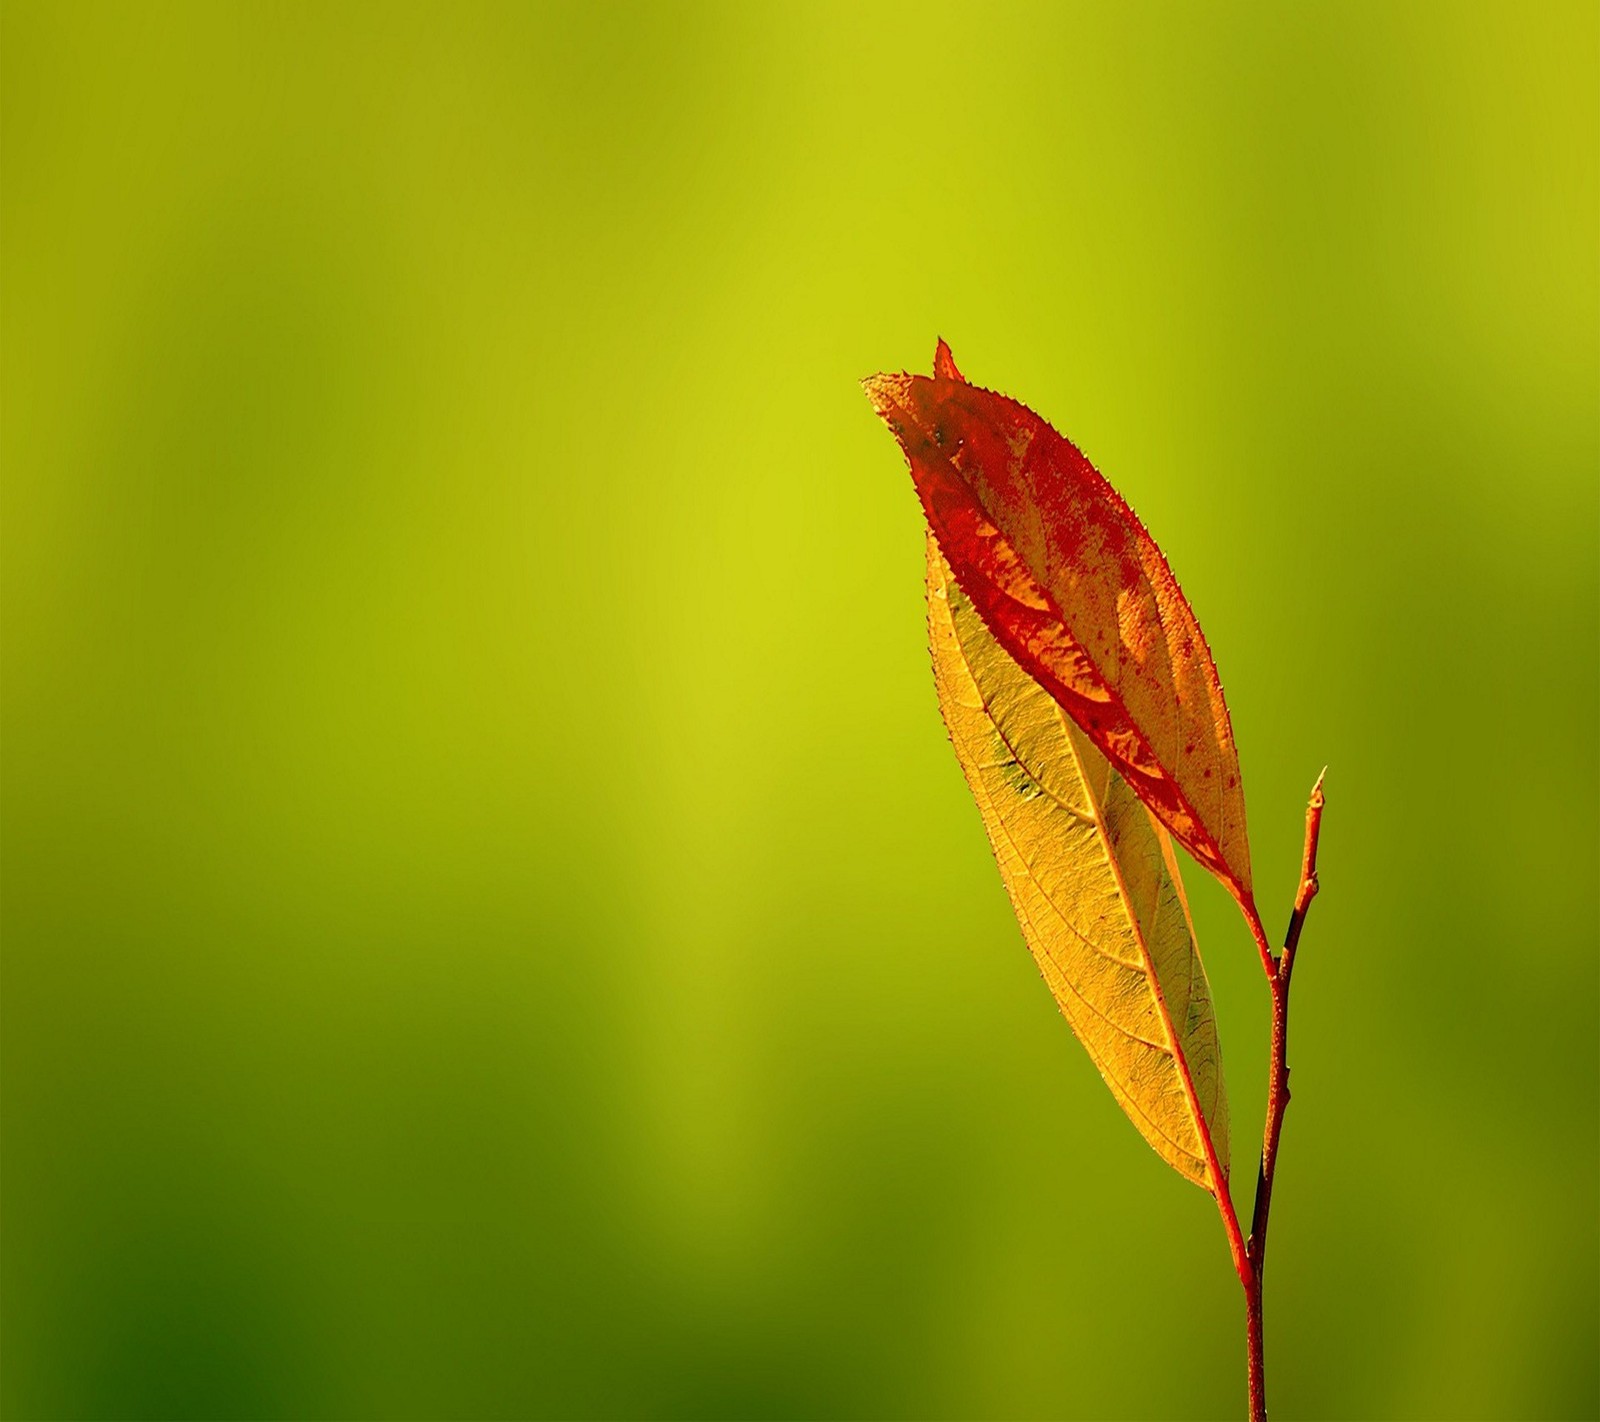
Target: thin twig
{"points": [[1280, 969]]}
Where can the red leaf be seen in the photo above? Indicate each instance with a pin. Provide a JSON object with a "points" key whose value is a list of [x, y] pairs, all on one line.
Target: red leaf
{"points": [[1074, 588]]}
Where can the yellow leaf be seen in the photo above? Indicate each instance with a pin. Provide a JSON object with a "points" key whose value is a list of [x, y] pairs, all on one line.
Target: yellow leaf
{"points": [[1095, 886]]}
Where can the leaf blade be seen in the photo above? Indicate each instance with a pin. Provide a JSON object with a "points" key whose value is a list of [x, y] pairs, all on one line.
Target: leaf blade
{"points": [[1073, 586], [1089, 875]]}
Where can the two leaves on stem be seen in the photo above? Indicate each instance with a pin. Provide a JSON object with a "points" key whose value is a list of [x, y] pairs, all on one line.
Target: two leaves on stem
{"points": [[1086, 712]]}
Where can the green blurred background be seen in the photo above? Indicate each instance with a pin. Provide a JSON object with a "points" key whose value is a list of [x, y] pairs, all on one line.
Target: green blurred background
{"points": [[492, 924]]}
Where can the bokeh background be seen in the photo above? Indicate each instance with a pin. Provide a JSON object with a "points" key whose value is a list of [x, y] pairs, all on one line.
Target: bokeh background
{"points": [[492, 924]]}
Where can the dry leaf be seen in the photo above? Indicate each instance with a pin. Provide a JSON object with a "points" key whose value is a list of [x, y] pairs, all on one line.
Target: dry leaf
{"points": [[1094, 884], [1075, 589]]}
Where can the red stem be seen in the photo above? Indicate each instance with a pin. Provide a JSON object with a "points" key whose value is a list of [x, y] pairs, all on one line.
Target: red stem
{"points": [[1250, 1257]]}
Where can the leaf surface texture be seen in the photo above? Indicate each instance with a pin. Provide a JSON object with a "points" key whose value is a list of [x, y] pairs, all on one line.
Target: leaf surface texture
{"points": [[1067, 579], [1094, 883]]}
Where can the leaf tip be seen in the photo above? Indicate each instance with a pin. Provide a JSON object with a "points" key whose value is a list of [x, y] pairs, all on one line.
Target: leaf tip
{"points": [[885, 391], [944, 364]]}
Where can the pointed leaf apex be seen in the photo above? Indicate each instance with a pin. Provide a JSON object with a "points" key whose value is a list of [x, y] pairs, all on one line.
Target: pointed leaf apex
{"points": [[944, 364], [887, 391]]}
